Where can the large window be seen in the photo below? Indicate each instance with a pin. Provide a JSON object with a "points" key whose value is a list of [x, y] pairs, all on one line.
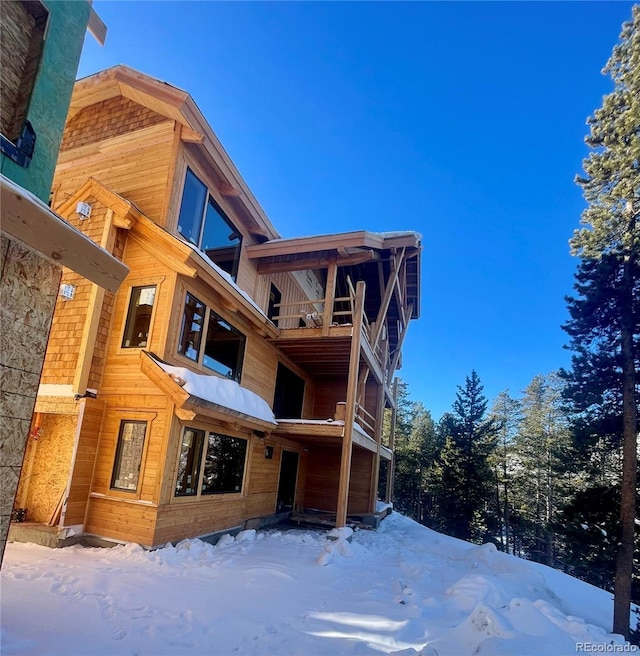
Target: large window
{"points": [[223, 344], [224, 464], [204, 224], [218, 459], [136, 330], [126, 469]]}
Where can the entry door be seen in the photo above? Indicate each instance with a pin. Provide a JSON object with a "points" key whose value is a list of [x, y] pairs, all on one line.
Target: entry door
{"points": [[287, 483]]}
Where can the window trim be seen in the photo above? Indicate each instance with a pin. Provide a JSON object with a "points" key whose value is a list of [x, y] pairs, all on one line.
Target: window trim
{"points": [[118, 453], [126, 318], [123, 312]]}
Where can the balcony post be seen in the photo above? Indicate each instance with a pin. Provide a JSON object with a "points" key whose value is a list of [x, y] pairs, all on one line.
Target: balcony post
{"points": [[329, 296], [375, 469], [392, 439], [352, 385]]}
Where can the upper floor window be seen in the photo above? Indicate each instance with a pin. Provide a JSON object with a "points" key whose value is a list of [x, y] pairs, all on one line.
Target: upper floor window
{"points": [[136, 330], [223, 345], [204, 224]]}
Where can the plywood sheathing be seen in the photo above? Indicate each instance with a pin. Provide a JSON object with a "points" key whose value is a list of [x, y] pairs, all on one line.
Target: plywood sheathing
{"points": [[28, 289], [50, 471]]}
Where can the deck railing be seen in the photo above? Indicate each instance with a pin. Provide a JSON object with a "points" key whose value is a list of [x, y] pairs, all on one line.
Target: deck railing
{"points": [[366, 421]]}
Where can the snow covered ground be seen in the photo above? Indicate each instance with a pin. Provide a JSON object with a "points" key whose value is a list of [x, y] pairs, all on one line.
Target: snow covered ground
{"points": [[403, 589]]}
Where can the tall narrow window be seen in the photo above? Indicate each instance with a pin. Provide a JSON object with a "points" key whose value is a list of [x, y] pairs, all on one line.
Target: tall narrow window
{"points": [[191, 330], [224, 348], [275, 298], [194, 197], [224, 464], [136, 330], [189, 463], [126, 469]]}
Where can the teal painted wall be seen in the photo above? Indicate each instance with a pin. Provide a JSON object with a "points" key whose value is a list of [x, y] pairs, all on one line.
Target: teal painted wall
{"points": [[51, 94]]}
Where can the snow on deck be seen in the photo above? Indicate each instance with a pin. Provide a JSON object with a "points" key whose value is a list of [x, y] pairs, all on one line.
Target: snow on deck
{"points": [[402, 590]]}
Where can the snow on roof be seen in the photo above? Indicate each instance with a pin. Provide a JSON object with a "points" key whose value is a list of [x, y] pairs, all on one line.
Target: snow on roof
{"points": [[221, 391]]}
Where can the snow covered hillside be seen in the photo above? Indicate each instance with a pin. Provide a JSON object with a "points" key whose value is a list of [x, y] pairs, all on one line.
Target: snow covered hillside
{"points": [[403, 589]]}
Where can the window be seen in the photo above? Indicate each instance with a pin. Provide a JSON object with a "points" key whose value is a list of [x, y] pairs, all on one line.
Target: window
{"points": [[22, 33], [275, 298], [223, 344], [126, 469], [136, 330], [202, 222], [224, 464], [224, 348], [191, 330], [189, 463], [224, 460], [289, 394]]}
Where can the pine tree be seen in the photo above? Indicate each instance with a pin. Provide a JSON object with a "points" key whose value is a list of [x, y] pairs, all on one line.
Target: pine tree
{"points": [[611, 238], [543, 442], [505, 412], [469, 439]]}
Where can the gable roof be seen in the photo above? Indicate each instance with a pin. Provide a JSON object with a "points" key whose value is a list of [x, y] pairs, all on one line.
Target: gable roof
{"points": [[177, 105]]}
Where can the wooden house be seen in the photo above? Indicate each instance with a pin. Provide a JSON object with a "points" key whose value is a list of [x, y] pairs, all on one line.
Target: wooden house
{"points": [[235, 376]]}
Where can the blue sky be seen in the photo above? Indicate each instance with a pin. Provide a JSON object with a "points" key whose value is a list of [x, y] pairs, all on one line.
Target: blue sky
{"points": [[462, 121]]}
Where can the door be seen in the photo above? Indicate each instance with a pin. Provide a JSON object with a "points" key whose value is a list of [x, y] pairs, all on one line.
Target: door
{"points": [[287, 483]]}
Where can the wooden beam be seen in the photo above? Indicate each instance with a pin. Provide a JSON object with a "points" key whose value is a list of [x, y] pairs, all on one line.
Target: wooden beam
{"points": [[165, 255], [304, 264], [329, 296], [190, 136], [392, 439], [184, 415], [356, 239], [352, 384], [29, 220], [375, 473], [92, 317], [96, 27]]}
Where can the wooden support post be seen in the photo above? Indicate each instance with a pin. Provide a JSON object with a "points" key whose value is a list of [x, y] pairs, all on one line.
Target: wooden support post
{"points": [[350, 410], [375, 473], [92, 318], [329, 296], [392, 438]]}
